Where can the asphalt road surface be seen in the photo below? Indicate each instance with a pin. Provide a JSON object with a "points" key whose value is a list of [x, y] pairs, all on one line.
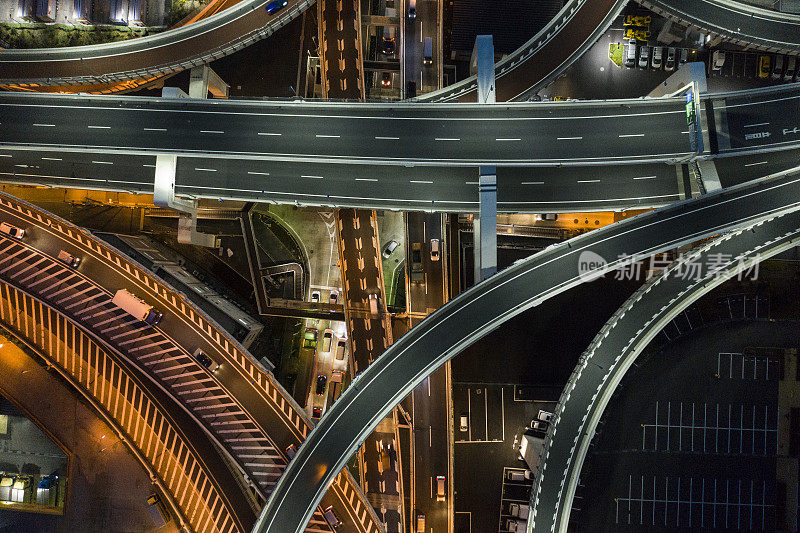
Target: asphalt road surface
{"points": [[737, 20], [484, 308], [612, 354], [434, 134]]}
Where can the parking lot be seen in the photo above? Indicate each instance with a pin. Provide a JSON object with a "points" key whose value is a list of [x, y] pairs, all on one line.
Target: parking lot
{"points": [[690, 439], [487, 451]]}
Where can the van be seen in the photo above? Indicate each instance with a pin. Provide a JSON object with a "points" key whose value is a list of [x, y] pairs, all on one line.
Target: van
{"points": [[156, 510], [644, 56], [11, 230], [630, 53], [427, 58], [464, 423], [520, 510], [515, 475], [68, 259], [657, 55], [420, 522], [340, 346], [373, 304], [777, 68], [331, 517], [717, 59], [441, 490]]}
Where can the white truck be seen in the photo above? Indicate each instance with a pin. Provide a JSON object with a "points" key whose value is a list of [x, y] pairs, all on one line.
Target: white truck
{"points": [[136, 307], [520, 510]]}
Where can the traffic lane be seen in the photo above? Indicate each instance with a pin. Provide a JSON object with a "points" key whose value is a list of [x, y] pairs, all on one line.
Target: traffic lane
{"points": [[481, 309], [528, 189], [740, 169], [167, 47], [322, 137], [523, 71], [624, 338], [724, 17], [763, 119]]}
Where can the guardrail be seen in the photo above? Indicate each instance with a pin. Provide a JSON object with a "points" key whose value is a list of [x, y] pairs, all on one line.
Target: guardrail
{"points": [[163, 69], [731, 34], [775, 240], [126, 405], [173, 369], [524, 52]]}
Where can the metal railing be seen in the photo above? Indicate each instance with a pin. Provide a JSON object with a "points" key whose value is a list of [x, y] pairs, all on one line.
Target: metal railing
{"points": [[170, 460]]}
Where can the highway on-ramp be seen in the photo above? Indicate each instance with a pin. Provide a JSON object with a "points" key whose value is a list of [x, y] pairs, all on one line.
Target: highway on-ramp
{"points": [[484, 308], [616, 347]]}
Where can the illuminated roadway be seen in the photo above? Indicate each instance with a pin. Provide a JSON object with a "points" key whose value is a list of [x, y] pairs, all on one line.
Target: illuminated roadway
{"points": [[736, 21], [615, 349], [171, 51], [484, 308]]}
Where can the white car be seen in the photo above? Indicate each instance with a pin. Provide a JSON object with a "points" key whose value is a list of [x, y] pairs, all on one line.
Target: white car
{"points": [[545, 416]]}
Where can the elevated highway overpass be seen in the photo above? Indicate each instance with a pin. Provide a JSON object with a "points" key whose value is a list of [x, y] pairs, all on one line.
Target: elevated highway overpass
{"points": [[485, 307], [737, 22], [616, 347], [551, 156]]}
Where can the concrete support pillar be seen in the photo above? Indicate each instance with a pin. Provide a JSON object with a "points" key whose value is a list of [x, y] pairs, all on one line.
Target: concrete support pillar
{"points": [[709, 175], [164, 196], [203, 80], [485, 226], [483, 55]]}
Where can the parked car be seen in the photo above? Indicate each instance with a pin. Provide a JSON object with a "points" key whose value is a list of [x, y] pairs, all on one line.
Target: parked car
{"points": [[441, 488], [315, 297], [777, 67], [669, 64], [333, 297], [630, 53], [291, 451], [656, 62], [546, 416], [791, 63], [331, 517], [764, 63], [684, 55], [717, 60], [327, 340], [434, 249], [644, 56], [463, 422]]}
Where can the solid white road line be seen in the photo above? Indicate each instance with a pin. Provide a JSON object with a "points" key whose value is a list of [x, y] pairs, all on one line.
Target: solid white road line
{"points": [[646, 178], [206, 169], [569, 138]]}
